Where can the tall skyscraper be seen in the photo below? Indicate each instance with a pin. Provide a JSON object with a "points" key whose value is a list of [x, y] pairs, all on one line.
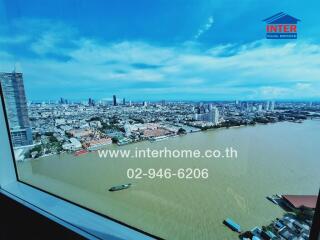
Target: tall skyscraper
{"points": [[267, 106], [215, 116], [91, 102], [210, 116], [272, 106], [114, 100], [16, 108], [63, 101], [124, 101], [247, 106]]}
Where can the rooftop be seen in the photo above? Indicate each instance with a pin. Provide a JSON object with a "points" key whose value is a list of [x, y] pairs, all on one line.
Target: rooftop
{"points": [[298, 201]]}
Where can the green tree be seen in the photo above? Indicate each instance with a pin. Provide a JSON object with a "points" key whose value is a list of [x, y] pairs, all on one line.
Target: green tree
{"points": [[53, 139], [115, 139], [182, 131]]}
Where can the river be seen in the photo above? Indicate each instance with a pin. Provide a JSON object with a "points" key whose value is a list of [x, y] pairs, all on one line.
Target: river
{"points": [[274, 158]]}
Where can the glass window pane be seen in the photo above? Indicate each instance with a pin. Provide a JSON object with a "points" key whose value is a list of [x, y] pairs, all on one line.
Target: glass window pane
{"points": [[184, 119]]}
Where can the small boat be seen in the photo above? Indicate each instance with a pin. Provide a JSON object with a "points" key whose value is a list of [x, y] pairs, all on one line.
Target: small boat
{"points": [[298, 121], [232, 225], [80, 152], [156, 139], [272, 199], [119, 187]]}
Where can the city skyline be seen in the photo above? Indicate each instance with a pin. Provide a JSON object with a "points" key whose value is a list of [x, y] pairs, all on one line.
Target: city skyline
{"points": [[140, 101], [200, 54], [112, 100]]}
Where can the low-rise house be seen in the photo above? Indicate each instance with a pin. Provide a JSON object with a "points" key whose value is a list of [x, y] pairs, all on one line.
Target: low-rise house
{"points": [[299, 201], [149, 133], [78, 133], [60, 121], [95, 124], [286, 234], [97, 144], [278, 225], [73, 145]]}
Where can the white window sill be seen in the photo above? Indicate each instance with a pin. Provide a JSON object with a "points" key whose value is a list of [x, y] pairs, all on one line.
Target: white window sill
{"points": [[79, 220], [82, 221]]}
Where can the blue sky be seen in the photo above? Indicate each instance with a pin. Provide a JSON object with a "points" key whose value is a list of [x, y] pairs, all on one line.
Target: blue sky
{"points": [[153, 50]]}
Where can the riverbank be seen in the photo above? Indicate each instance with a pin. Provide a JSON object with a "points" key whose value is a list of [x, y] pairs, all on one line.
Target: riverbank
{"points": [[192, 209]]}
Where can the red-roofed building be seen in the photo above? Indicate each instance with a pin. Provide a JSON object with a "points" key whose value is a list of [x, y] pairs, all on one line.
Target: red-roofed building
{"points": [[298, 201]]}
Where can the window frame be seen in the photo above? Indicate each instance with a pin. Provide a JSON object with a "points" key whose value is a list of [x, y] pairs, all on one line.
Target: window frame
{"points": [[80, 219]]}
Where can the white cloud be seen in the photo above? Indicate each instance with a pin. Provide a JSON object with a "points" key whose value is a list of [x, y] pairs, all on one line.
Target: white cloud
{"points": [[204, 28], [254, 70], [124, 52], [303, 86], [46, 43], [272, 92]]}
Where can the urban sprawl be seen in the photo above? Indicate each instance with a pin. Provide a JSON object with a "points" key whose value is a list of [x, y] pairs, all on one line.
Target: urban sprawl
{"points": [[90, 125], [52, 127]]}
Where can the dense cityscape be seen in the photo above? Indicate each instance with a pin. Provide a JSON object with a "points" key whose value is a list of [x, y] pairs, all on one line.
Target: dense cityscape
{"points": [[46, 128], [51, 127], [64, 126]]}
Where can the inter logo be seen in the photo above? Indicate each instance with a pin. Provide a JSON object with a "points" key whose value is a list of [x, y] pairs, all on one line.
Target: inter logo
{"points": [[281, 26]]}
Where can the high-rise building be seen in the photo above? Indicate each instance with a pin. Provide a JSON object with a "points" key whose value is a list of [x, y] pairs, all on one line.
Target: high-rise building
{"points": [[114, 100], [272, 106], [16, 108], [211, 116], [215, 116], [124, 101], [63, 101], [267, 105], [247, 106], [127, 129], [91, 102]]}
